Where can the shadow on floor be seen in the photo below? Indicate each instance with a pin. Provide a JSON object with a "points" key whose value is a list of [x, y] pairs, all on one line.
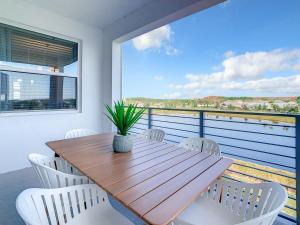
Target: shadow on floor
{"points": [[11, 184]]}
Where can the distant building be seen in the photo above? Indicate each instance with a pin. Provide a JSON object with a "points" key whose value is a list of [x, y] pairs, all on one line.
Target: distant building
{"points": [[280, 103], [292, 104], [234, 103]]}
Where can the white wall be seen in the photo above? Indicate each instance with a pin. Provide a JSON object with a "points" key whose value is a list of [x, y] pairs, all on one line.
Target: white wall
{"points": [[21, 135]]}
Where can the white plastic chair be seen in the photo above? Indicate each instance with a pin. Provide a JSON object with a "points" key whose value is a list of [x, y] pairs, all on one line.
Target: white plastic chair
{"points": [[201, 144], [236, 203], [79, 133], [154, 135], [84, 204], [55, 172]]}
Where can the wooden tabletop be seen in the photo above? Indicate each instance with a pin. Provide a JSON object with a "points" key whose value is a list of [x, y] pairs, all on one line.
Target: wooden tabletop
{"points": [[156, 181]]}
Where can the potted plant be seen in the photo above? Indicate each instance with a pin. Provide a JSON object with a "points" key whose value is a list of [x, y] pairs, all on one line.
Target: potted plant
{"points": [[124, 118]]}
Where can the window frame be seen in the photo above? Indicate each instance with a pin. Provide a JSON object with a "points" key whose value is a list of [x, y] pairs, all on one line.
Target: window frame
{"points": [[24, 70]]}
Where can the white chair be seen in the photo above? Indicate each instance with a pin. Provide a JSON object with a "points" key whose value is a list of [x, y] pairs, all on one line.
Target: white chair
{"points": [[84, 204], [201, 144], [79, 133], [236, 203], [55, 172], [154, 135]]}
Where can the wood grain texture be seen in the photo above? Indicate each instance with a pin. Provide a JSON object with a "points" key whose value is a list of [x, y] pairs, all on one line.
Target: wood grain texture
{"points": [[155, 180]]}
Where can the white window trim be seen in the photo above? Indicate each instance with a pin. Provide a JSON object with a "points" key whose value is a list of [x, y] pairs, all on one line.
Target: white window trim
{"points": [[38, 72], [15, 69]]}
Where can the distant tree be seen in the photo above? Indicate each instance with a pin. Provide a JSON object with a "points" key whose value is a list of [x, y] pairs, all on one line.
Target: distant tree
{"points": [[259, 107], [298, 100], [194, 104], [293, 110], [264, 107], [276, 108]]}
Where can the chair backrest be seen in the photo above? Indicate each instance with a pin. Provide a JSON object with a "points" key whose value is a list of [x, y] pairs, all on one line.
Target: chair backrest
{"points": [[154, 135], [79, 133], [201, 144], [55, 172], [255, 204], [61, 205]]}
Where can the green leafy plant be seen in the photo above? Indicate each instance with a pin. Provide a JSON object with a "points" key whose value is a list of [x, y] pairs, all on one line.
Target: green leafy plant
{"points": [[124, 117]]}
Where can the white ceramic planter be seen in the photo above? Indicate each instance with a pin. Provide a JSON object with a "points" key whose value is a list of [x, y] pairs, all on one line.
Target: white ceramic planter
{"points": [[122, 143]]}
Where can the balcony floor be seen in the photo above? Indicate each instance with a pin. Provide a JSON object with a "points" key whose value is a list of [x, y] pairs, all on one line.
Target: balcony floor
{"points": [[12, 183]]}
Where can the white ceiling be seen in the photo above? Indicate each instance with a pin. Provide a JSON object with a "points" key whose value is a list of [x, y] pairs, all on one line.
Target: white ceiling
{"points": [[98, 13]]}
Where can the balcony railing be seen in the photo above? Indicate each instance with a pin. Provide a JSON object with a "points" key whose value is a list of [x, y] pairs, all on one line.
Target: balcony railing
{"points": [[265, 146]]}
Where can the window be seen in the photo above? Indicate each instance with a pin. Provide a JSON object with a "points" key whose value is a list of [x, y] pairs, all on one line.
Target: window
{"points": [[37, 71]]}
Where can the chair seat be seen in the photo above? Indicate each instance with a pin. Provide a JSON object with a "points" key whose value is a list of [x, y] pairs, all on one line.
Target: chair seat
{"points": [[207, 212], [94, 216]]}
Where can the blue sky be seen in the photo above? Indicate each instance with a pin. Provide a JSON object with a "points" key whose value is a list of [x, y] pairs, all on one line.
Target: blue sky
{"points": [[238, 48]]}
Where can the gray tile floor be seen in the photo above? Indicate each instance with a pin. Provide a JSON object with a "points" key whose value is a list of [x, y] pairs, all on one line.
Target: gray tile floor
{"points": [[11, 184]]}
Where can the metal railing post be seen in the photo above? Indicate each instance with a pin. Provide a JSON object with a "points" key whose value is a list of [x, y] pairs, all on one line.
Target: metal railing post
{"points": [[297, 123], [201, 124], [149, 118]]}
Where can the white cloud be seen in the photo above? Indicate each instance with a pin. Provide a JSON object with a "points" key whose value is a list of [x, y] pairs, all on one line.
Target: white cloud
{"points": [[173, 95], [170, 50], [288, 84], [229, 54], [254, 64], [152, 39], [158, 77], [248, 72], [156, 39]]}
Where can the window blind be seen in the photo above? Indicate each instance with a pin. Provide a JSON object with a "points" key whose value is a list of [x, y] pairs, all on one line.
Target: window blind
{"points": [[23, 46]]}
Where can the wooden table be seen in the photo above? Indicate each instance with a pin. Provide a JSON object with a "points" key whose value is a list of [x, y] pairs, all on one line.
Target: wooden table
{"points": [[156, 181]]}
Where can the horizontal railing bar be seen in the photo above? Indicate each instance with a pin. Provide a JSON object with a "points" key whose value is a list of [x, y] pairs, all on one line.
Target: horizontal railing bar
{"points": [[290, 207], [255, 150], [189, 124], [175, 135], [142, 124], [184, 117], [258, 142], [271, 172], [259, 160], [263, 124], [138, 128], [292, 219], [292, 197], [175, 129], [255, 177], [251, 132], [224, 112], [177, 142]]}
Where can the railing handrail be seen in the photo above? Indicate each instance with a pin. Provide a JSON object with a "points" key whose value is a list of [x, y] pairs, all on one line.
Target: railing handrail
{"points": [[225, 111]]}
